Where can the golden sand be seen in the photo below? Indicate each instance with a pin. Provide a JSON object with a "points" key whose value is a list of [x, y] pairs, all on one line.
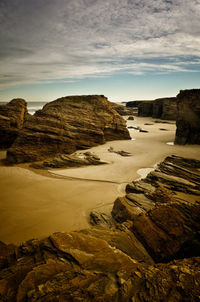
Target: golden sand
{"points": [[33, 205]]}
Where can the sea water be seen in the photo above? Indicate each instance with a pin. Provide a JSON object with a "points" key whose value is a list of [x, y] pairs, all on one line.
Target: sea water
{"points": [[34, 106]]}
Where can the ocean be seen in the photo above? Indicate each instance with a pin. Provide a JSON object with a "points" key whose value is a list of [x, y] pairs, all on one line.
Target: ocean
{"points": [[34, 106]]}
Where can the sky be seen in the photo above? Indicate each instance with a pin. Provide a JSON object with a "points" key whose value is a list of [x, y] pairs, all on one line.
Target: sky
{"points": [[124, 49]]}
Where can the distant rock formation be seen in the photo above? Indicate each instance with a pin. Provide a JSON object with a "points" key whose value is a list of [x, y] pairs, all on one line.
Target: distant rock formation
{"points": [[121, 109], [12, 118], [133, 104], [65, 125], [145, 108], [163, 108], [122, 260], [188, 117]]}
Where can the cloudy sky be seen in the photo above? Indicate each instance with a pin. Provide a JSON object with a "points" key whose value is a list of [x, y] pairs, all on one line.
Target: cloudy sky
{"points": [[124, 49]]}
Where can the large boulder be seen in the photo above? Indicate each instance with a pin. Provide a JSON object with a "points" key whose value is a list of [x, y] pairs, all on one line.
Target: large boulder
{"points": [[188, 117], [12, 117], [65, 125]]}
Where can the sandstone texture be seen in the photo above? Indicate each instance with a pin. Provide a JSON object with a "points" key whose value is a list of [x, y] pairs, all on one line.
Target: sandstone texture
{"points": [[122, 110], [165, 209], [163, 108], [65, 125], [188, 117], [147, 251], [12, 118]]}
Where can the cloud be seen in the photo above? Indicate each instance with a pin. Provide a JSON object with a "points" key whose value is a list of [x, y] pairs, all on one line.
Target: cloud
{"points": [[47, 40]]}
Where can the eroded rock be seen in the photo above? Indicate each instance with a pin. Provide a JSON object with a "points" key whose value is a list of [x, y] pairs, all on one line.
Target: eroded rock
{"points": [[188, 117], [65, 125], [12, 118]]}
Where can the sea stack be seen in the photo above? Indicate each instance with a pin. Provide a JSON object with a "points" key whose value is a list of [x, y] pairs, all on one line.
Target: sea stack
{"points": [[188, 117], [65, 125], [12, 117]]}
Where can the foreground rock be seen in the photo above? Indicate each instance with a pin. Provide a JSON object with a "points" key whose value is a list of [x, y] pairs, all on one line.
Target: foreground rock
{"points": [[157, 221], [165, 209], [12, 118], [81, 267], [188, 118], [65, 125]]}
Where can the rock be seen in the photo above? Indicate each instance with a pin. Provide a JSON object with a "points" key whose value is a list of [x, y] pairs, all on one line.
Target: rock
{"points": [[133, 104], [68, 161], [145, 108], [122, 110], [101, 219], [188, 117], [163, 108], [12, 118], [122, 153], [90, 266], [130, 118], [65, 125], [164, 209]]}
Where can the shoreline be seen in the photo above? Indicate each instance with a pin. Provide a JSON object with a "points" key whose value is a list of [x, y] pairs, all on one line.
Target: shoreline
{"points": [[35, 203]]}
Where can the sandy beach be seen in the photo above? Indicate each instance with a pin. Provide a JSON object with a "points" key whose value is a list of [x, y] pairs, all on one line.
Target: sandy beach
{"points": [[34, 204]]}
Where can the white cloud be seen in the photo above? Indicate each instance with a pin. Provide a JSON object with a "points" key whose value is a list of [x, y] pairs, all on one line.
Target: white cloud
{"points": [[67, 39]]}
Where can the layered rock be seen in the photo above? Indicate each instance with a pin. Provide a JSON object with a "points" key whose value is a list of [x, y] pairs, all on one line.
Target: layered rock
{"points": [[122, 110], [163, 108], [65, 125], [164, 209], [12, 118], [157, 221], [188, 117]]}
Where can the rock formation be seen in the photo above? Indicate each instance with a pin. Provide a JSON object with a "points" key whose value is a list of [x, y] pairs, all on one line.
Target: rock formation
{"points": [[12, 117], [163, 108], [65, 125], [145, 108], [188, 117], [165, 210], [122, 110], [149, 252]]}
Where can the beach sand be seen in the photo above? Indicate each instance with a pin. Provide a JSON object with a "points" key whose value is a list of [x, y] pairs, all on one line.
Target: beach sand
{"points": [[35, 204]]}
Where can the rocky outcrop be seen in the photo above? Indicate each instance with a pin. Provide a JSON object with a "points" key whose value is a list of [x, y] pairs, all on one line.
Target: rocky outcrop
{"points": [[65, 125], [68, 161], [163, 108], [12, 118], [145, 108], [122, 110], [83, 267], [156, 222], [188, 117], [164, 209]]}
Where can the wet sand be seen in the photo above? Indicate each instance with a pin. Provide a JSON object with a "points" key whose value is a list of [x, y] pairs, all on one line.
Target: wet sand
{"points": [[34, 205]]}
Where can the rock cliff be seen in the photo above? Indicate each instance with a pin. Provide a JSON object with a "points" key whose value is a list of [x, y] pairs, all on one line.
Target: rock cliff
{"points": [[163, 108], [12, 118], [188, 117], [65, 125], [149, 252]]}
